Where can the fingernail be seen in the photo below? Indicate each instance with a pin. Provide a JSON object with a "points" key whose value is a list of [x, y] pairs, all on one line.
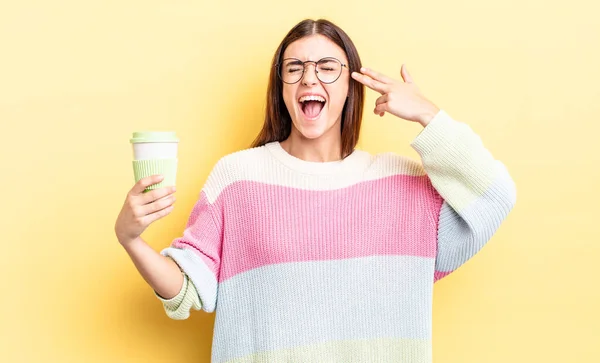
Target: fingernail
{"points": [[362, 69]]}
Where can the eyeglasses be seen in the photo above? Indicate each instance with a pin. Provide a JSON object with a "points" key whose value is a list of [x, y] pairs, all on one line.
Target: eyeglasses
{"points": [[328, 69]]}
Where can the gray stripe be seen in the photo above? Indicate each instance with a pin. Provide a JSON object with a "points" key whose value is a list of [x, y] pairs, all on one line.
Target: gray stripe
{"points": [[202, 277], [460, 237], [288, 305]]}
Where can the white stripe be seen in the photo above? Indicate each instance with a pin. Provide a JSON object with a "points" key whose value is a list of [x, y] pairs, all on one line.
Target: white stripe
{"points": [[270, 164]]}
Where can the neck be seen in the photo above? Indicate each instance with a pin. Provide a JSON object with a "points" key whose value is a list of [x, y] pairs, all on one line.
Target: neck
{"points": [[323, 149]]}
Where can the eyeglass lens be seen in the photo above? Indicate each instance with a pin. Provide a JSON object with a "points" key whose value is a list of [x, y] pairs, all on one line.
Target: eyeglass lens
{"points": [[328, 70]]}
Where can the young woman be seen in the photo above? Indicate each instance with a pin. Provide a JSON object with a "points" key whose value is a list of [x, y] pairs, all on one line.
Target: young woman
{"points": [[310, 250]]}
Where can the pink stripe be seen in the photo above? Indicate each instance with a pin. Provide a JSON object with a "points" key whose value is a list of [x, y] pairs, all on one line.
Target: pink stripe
{"points": [[203, 234], [268, 224], [440, 275]]}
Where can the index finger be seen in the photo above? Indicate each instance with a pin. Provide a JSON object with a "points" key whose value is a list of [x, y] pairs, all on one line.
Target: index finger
{"points": [[156, 194], [145, 182], [370, 82], [376, 75]]}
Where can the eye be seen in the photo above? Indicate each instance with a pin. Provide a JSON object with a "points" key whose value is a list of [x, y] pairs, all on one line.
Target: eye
{"points": [[329, 65]]}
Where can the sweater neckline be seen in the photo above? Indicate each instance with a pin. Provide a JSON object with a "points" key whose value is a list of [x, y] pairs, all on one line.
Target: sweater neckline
{"points": [[349, 163]]}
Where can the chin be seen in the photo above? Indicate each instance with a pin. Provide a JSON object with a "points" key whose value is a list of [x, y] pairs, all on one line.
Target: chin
{"points": [[311, 134], [313, 128]]}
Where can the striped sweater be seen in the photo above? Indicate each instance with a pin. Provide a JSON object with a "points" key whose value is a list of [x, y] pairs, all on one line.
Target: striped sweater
{"points": [[335, 261]]}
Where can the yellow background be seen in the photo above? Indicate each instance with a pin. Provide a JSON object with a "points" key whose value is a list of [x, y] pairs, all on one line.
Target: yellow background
{"points": [[78, 77]]}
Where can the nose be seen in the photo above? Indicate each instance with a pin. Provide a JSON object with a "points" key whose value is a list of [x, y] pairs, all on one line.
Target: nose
{"points": [[310, 75]]}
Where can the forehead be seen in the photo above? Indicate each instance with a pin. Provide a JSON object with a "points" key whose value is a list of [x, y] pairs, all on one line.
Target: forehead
{"points": [[314, 47]]}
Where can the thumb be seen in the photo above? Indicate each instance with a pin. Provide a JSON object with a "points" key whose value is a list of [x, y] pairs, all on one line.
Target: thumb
{"points": [[405, 76]]}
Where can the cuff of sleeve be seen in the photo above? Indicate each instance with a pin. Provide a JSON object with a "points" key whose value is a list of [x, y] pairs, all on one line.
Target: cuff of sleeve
{"points": [[438, 131], [174, 302]]}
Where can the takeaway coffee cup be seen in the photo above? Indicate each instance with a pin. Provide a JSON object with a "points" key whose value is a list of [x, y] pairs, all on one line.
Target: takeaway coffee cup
{"points": [[155, 152]]}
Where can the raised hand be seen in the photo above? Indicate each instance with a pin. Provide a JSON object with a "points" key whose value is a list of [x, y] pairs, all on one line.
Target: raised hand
{"points": [[400, 98], [141, 209]]}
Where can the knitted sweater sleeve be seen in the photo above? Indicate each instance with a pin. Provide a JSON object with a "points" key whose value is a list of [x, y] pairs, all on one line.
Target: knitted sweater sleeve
{"points": [[179, 307], [477, 191], [198, 251]]}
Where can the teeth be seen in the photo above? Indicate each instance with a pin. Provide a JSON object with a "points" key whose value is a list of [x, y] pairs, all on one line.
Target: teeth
{"points": [[311, 98]]}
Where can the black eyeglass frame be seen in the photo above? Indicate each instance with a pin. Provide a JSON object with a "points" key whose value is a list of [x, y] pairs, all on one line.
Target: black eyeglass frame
{"points": [[278, 66]]}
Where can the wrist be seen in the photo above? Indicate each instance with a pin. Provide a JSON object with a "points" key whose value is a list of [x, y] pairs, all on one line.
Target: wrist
{"points": [[131, 243], [426, 116]]}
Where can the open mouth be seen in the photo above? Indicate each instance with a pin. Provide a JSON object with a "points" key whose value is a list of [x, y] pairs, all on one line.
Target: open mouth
{"points": [[311, 106]]}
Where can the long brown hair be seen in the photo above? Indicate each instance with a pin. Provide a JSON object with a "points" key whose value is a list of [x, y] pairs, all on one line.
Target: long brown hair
{"points": [[278, 122]]}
